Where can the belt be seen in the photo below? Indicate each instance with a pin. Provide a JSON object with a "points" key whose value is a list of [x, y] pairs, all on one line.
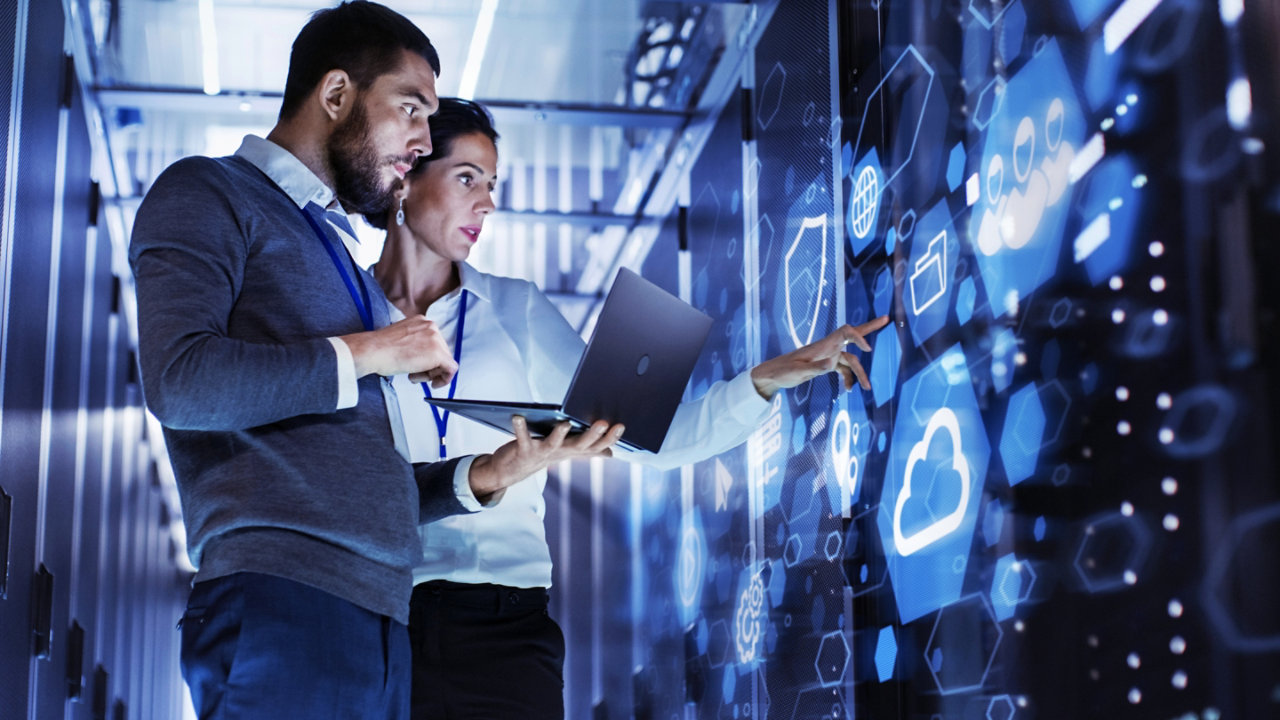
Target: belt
{"points": [[499, 598]]}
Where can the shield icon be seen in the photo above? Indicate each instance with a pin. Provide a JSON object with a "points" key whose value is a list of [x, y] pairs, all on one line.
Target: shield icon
{"points": [[805, 278]]}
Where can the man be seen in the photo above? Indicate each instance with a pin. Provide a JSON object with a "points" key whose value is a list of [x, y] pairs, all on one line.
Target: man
{"points": [[264, 350]]}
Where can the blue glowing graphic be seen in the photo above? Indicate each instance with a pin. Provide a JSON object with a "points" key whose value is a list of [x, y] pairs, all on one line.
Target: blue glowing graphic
{"points": [[1011, 585], [1110, 207], [963, 666], [886, 355], [690, 567], [988, 12], [1016, 226], [1013, 28], [805, 280], [992, 523], [883, 290], [1101, 75], [864, 201], [1113, 548], [929, 506], [1001, 707], [966, 297], [1004, 353], [850, 439], [1023, 431], [749, 619], [906, 85], [832, 659], [886, 653], [1087, 11], [955, 166], [1200, 421], [771, 95], [1251, 536], [930, 273]]}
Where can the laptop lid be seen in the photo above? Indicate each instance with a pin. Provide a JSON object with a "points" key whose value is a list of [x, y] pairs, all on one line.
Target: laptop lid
{"points": [[638, 360], [634, 369]]}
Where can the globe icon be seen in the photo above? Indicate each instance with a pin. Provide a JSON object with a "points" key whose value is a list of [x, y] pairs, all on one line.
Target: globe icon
{"points": [[863, 206]]}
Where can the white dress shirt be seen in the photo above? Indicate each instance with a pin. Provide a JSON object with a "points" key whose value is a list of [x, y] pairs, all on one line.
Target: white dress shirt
{"points": [[518, 347]]}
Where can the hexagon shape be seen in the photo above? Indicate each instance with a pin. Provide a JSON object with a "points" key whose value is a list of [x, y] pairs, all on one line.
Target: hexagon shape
{"points": [[832, 659], [866, 569], [1060, 313], [882, 291], [771, 95], [966, 297], [1010, 584], [1023, 431], [1112, 545], [791, 553], [990, 99], [958, 661], [719, 643], [1200, 420], [831, 548], [1012, 30], [910, 79], [1001, 707], [1056, 402], [938, 436], [886, 356], [1251, 540], [886, 653], [1017, 224], [955, 166], [993, 523]]}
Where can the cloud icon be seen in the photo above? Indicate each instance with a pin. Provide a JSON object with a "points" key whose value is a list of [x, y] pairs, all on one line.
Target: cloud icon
{"points": [[944, 418]]}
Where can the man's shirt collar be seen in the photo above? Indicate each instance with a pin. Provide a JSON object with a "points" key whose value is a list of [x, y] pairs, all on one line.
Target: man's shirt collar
{"points": [[287, 171]]}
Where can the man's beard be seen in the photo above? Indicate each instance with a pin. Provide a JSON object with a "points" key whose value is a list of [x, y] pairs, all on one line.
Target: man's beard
{"points": [[357, 168]]}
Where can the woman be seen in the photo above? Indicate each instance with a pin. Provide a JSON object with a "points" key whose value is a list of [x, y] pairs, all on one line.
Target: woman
{"points": [[484, 645]]}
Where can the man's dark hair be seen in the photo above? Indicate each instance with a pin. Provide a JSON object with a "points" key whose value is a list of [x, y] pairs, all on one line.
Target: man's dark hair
{"points": [[364, 39], [455, 118]]}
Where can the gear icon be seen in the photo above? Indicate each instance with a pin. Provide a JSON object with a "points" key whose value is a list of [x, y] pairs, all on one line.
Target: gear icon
{"points": [[747, 619]]}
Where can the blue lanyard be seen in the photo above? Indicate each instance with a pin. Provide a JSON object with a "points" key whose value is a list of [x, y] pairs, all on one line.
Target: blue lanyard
{"points": [[442, 416], [361, 299]]}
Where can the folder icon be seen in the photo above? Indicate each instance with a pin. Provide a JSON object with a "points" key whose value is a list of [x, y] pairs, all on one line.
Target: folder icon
{"points": [[929, 280]]}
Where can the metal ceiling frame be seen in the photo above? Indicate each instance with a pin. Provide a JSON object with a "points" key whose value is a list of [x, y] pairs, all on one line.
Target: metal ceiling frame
{"points": [[193, 100]]}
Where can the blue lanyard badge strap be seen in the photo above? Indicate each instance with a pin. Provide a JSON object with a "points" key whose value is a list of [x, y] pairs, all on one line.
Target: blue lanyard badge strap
{"points": [[360, 298], [442, 416]]}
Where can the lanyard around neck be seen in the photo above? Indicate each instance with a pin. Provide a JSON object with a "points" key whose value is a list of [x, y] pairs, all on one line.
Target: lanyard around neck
{"points": [[361, 298], [442, 416]]}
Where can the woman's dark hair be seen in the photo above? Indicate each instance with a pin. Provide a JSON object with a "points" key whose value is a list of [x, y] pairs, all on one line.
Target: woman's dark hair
{"points": [[455, 118], [364, 39]]}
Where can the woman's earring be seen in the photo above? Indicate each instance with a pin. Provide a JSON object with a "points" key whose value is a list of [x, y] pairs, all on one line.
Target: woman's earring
{"points": [[400, 213]]}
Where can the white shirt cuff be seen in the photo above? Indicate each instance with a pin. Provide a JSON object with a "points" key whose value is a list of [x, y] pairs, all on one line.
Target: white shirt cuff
{"points": [[348, 388], [462, 487], [745, 404]]}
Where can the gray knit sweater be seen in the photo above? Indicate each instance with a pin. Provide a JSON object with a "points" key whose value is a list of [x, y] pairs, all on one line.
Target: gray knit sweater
{"points": [[236, 297]]}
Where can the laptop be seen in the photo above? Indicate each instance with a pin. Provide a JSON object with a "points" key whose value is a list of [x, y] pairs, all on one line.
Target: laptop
{"points": [[634, 369]]}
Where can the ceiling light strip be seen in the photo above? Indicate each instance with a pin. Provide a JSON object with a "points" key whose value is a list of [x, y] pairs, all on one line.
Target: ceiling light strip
{"points": [[479, 43], [209, 49]]}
